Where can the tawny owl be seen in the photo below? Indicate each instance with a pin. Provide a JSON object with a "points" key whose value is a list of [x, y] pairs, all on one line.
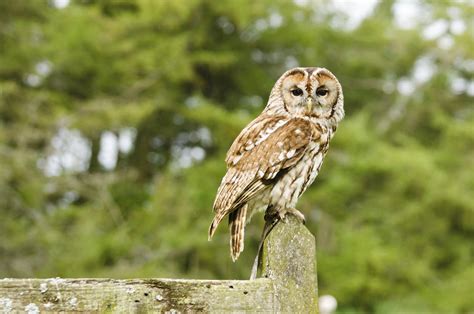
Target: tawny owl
{"points": [[279, 154]]}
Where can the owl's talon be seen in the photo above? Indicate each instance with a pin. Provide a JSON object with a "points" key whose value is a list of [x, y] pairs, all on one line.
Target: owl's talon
{"points": [[282, 216], [297, 214]]}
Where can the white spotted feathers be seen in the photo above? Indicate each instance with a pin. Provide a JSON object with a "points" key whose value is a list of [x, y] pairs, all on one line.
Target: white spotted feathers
{"points": [[279, 154]]}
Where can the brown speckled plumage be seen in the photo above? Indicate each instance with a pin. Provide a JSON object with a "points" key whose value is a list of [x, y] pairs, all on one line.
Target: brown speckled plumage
{"points": [[279, 154]]}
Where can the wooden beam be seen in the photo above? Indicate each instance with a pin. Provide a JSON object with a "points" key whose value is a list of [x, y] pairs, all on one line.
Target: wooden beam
{"points": [[135, 295], [288, 285]]}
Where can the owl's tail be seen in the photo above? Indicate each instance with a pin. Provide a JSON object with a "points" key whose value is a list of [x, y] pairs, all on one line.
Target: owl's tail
{"points": [[237, 230], [237, 220]]}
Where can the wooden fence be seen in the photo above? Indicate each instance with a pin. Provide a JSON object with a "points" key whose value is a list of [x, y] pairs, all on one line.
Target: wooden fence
{"points": [[286, 284]]}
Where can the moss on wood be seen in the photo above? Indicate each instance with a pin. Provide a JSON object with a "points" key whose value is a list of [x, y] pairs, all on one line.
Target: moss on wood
{"points": [[289, 285]]}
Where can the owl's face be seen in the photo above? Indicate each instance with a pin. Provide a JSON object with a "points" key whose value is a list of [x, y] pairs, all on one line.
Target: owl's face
{"points": [[312, 92]]}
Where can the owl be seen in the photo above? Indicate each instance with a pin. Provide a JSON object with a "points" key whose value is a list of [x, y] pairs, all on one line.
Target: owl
{"points": [[279, 154]]}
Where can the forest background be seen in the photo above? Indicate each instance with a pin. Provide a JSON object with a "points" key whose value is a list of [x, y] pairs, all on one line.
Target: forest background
{"points": [[115, 117]]}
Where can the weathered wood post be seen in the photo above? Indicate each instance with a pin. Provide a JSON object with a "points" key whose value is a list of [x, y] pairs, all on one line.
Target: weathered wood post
{"points": [[289, 260], [287, 285]]}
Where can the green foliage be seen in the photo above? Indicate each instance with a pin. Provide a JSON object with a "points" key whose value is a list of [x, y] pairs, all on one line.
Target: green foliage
{"points": [[393, 208]]}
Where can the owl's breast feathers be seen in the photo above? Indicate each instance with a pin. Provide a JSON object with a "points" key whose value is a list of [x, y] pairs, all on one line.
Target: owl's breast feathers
{"points": [[265, 150]]}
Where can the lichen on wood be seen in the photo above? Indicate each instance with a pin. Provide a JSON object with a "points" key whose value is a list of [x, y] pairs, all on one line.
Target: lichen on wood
{"points": [[289, 260], [288, 284], [136, 295]]}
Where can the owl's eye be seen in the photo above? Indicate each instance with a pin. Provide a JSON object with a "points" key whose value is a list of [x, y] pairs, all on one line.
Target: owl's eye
{"points": [[297, 92], [322, 92]]}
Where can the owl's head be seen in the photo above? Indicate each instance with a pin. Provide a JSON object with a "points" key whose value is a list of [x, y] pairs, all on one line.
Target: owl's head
{"points": [[312, 92]]}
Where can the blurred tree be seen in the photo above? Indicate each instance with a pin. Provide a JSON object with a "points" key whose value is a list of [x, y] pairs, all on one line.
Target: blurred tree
{"points": [[115, 117]]}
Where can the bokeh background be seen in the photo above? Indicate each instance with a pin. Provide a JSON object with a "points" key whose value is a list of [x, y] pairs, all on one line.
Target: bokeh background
{"points": [[115, 117]]}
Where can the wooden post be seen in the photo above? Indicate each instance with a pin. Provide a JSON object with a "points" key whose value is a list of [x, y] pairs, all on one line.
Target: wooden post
{"points": [[289, 260], [288, 284]]}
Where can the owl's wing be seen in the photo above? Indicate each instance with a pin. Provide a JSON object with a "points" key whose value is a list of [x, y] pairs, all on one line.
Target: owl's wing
{"points": [[262, 151]]}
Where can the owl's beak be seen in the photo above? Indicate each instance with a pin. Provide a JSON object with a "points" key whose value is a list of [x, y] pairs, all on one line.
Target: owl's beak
{"points": [[309, 104]]}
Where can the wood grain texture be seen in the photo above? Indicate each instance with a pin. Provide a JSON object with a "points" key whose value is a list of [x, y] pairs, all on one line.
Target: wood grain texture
{"points": [[289, 260], [135, 295], [288, 285]]}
